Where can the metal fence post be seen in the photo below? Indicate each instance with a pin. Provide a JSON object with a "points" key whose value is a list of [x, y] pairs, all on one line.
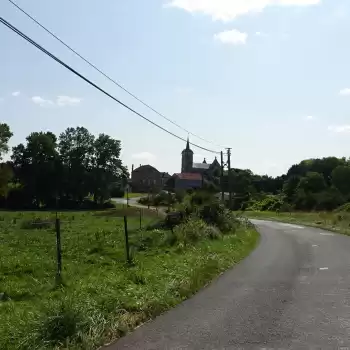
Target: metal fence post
{"points": [[140, 218], [59, 250], [126, 239]]}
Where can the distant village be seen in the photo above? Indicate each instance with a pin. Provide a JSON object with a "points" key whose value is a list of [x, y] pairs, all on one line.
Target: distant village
{"points": [[147, 178]]}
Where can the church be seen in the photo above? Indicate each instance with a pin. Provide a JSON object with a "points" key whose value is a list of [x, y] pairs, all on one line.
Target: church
{"points": [[193, 175]]}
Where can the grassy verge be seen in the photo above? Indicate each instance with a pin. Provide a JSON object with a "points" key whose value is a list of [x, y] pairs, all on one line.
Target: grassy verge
{"points": [[336, 222], [101, 297]]}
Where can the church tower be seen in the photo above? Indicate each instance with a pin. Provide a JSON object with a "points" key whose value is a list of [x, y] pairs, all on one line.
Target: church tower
{"points": [[187, 159]]}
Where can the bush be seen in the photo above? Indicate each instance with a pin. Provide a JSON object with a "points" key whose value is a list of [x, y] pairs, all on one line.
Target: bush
{"points": [[60, 325], [212, 232], [190, 231], [117, 192], [343, 208]]}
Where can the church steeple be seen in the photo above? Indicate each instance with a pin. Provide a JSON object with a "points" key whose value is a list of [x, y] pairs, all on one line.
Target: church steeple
{"points": [[188, 144], [187, 158]]}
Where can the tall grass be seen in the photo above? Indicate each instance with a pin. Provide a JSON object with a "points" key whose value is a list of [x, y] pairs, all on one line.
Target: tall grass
{"points": [[101, 297]]}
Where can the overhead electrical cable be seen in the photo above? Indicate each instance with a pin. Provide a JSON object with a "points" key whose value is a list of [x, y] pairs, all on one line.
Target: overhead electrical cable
{"points": [[107, 76], [31, 41]]}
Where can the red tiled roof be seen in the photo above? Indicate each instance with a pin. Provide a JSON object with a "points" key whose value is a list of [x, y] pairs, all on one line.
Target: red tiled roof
{"points": [[189, 176]]}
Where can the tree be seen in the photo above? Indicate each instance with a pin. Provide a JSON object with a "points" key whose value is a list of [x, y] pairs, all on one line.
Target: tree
{"points": [[106, 166], [341, 179], [5, 135], [76, 148], [290, 187], [36, 166], [312, 183], [6, 175]]}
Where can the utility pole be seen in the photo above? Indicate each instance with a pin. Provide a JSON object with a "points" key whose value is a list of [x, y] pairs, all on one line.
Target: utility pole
{"points": [[229, 176], [222, 177]]}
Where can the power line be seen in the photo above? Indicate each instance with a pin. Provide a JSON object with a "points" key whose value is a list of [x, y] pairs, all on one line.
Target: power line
{"points": [[31, 41], [108, 77]]}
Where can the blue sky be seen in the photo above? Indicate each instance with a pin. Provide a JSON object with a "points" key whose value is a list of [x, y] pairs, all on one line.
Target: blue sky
{"points": [[269, 78]]}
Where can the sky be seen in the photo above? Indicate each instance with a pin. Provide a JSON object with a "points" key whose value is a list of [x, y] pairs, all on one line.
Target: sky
{"points": [[268, 78]]}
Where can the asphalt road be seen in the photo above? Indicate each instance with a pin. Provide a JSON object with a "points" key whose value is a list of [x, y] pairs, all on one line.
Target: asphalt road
{"points": [[292, 292]]}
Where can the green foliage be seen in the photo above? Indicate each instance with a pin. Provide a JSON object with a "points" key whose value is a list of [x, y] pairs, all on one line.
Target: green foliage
{"points": [[343, 208], [67, 170], [59, 324], [270, 203], [192, 230], [312, 183], [5, 135], [341, 179], [102, 298]]}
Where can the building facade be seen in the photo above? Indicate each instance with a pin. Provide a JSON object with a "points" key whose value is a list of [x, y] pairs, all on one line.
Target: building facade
{"points": [[194, 175], [147, 178]]}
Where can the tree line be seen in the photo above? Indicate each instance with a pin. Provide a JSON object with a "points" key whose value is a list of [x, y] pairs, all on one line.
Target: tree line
{"points": [[313, 184], [74, 170]]}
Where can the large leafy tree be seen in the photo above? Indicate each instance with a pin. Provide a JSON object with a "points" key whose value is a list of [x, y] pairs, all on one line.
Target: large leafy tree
{"points": [[5, 135], [312, 183], [341, 179], [5, 169], [76, 148], [36, 165], [107, 167]]}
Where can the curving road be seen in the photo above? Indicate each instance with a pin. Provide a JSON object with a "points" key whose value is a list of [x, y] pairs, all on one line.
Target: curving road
{"points": [[292, 292]]}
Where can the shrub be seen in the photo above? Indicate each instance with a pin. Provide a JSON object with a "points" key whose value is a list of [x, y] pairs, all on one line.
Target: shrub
{"points": [[190, 231], [117, 192], [343, 208], [60, 325], [212, 232]]}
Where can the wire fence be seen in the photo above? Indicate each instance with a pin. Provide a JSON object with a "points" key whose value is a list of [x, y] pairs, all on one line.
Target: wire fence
{"points": [[27, 242]]}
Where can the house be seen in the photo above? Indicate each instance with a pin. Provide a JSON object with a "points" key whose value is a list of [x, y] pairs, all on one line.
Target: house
{"points": [[147, 178], [185, 181]]}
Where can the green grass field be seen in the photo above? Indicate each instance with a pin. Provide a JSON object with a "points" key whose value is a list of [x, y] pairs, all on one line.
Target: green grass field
{"points": [[336, 222], [101, 297]]}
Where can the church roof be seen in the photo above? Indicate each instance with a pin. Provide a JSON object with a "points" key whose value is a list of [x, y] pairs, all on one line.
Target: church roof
{"points": [[189, 176], [145, 167]]}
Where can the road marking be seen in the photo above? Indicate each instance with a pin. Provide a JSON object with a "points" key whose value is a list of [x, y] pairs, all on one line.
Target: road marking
{"points": [[326, 234], [314, 245], [323, 268], [291, 225]]}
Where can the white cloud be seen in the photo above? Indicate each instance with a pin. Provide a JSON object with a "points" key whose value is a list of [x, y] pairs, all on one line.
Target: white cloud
{"points": [[16, 93], [233, 37], [310, 117], [227, 10], [63, 101], [340, 128], [42, 102], [344, 92], [145, 157], [261, 34]]}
